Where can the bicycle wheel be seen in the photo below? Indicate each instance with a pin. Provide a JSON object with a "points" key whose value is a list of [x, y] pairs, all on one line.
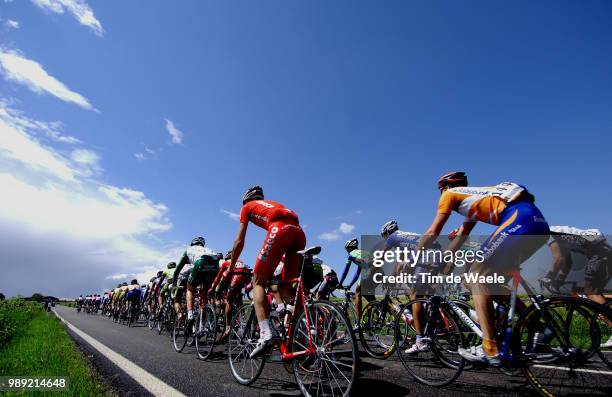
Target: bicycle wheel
{"points": [[558, 344], [206, 331], [377, 330], [243, 336], [331, 369], [440, 363], [179, 337], [220, 323]]}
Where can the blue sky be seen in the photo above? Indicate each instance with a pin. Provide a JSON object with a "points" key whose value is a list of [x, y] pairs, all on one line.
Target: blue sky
{"points": [[345, 112]]}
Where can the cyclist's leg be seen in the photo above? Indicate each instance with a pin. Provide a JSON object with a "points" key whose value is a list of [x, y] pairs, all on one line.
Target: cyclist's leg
{"points": [[522, 232], [292, 240]]}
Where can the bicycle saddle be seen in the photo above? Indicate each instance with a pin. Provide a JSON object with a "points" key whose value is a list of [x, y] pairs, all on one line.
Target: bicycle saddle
{"points": [[310, 251]]}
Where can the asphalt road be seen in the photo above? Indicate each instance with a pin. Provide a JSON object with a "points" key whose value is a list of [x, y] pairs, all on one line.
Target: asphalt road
{"points": [[194, 377]]}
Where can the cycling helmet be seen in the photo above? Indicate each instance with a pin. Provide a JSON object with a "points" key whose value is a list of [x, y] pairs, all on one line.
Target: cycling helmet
{"points": [[316, 260], [160, 273], [171, 265], [352, 244], [452, 179], [134, 282], [254, 193], [198, 241], [152, 279], [143, 286], [389, 228], [228, 256], [124, 284]]}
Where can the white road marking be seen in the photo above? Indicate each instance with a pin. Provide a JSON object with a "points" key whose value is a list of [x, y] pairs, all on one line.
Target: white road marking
{"points": [[592, 371], [154, 385]]}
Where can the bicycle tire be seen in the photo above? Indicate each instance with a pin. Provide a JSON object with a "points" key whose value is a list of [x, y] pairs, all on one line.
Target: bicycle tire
{"points": [[433, 367], [329, 329], [567, 363], [206, 332], [242, 339]]}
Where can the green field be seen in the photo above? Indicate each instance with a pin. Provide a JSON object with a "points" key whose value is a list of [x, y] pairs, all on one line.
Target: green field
{"points": [[35, 343]]}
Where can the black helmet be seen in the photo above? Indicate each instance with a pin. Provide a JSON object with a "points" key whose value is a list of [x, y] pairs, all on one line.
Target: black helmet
{"points": [[389, 228], [352, 244], [452, 179], [228, 256], [160, 273], [254, 193], [143, 286], [171, 265], [198, 241], [134, 282], [124, 284]]}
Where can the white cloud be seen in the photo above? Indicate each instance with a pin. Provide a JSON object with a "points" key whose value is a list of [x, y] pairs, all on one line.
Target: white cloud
{"points": [[346, 228], [52, 130], [16, 144], [79, 9], [88, 160], [140, 156], [175, 133], [232, 215], [329, 236], [17, 68], [10, 24], [78, 225]]}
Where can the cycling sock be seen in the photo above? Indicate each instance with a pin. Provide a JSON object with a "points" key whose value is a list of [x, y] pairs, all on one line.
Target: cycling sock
{"points": [[489, 346], [190, 315], [264, 329]]}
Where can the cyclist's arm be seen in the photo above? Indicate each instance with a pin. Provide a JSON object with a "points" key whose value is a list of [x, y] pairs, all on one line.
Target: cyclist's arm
{"points": [[238, 244], [434, 231], [179, 267], [347, 266], [458, 241], [355, 277], [559, 261], [217, 279]]}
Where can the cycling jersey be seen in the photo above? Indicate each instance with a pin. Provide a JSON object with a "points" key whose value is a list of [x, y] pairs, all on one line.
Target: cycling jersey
{"points": [[593, 245], [582, 241], [264, 212], [484, 204], [284, 237]]}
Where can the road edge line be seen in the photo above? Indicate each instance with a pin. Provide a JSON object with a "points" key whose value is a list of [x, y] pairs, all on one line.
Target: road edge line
{"points": [[150, 382]]}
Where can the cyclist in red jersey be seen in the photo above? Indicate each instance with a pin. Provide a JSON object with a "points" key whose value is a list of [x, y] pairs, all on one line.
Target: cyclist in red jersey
{"points": [[284, 237], [231, 286]]}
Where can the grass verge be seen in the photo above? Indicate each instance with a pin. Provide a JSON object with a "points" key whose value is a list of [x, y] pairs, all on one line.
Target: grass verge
{"points": [[42, 347]]}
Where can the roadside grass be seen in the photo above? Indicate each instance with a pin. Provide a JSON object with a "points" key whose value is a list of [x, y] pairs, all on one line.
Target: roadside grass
{"points": [[42, 347]]}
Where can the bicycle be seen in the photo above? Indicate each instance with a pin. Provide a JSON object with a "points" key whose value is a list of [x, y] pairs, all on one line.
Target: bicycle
{"points": [[323, 364], [377, 325], [543, 338]]}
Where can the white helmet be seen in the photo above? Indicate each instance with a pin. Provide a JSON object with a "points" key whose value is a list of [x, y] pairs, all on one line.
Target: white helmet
{"points": [[389, 228]]}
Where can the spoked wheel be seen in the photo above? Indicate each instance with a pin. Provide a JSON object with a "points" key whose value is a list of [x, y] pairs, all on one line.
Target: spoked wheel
{"points": [[439, 364], [206, 332], [220, 314], [179, 337], [562, 355], [331, 369], [161, 321], [243, 336], [377, 330]]}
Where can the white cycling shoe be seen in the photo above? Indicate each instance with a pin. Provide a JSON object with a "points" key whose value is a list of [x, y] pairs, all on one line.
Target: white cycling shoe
{"points": [[476, 354], [608, 344], [421, 345], [262, 346]]}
